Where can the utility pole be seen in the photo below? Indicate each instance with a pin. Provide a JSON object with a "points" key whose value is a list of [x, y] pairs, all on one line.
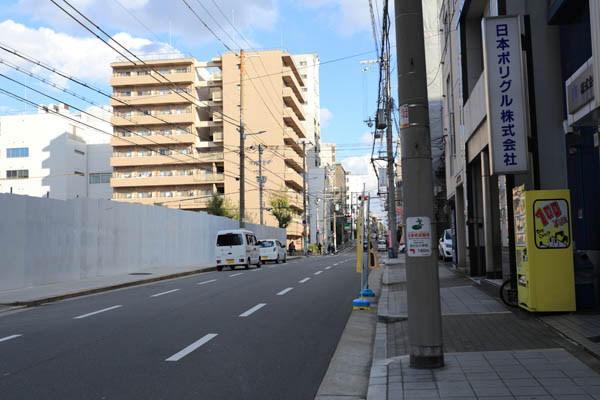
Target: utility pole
{"points": [[391, 195], [242, 155], [422, 281], [304, 238], [261, 181]]}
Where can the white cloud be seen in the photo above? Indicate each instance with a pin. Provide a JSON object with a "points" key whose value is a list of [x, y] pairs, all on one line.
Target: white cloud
{"points": [[366, 138], [85, 58], [326, 116], [346, 16], [162, 17]]}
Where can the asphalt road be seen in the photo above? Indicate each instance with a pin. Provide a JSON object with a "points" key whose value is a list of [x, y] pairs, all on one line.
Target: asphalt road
{"points": [[245, 334]]}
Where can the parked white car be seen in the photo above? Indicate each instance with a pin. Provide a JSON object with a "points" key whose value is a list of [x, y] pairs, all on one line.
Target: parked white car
{"points": [[445, 245], [237, 247], [381, 245], [272, 250]]}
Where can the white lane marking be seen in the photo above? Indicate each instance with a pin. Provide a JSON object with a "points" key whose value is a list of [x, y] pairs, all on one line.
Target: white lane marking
{"points": [[202, 283], [253, 310], [178, 356], [304, 280], [318, 272], [97, 312], [4, 339], [240, 273], [328, 267], [273, 266], [256, 269], [284, 291], [167, 292]]}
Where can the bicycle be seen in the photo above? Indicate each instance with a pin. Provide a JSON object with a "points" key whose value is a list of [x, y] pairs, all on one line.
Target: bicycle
{"points": [[508, 294]]}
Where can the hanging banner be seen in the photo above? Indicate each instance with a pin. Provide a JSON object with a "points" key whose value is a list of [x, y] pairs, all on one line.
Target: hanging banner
{"points": [[505, 101]]}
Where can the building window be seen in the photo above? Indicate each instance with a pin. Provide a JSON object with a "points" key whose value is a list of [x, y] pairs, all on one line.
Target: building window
{"points": [[81, 153], [182, 70], [303, 76], [17, 173], [123, 73], [303, 63], [305, 89], [142, 73], [17, 152]]}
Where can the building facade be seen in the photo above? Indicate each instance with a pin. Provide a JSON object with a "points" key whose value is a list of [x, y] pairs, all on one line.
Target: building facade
{"points": [[55, 153], [178, 122], [559, 141]]}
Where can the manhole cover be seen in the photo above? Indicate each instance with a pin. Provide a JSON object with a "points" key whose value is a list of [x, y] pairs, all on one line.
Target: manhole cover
{"points": [[141, 273], [595, 339]]}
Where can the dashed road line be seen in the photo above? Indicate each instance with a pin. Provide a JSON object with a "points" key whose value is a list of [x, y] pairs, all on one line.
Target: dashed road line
{"points": [[318, 272], [97, 312], [205, 282], [167, 292], [179, 355], [253, 310], [329, 267], [4, 339], [304, 280], [239, 273], [284, 291]]}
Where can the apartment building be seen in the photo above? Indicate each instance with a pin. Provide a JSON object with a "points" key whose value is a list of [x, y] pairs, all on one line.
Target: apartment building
{"points": [[177, 122], [559, 129], [56, 153]]}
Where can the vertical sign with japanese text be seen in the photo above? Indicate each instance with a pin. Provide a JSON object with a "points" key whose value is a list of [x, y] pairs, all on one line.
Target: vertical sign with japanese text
{"points": [[505, 97]]}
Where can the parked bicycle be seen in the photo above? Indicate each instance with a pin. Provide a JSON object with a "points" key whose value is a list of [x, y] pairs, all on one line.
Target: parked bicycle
{"points": [[509, 294]]}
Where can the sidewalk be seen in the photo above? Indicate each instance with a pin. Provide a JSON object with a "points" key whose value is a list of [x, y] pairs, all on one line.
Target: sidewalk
{"points": [[36, 295], [490, 351]]}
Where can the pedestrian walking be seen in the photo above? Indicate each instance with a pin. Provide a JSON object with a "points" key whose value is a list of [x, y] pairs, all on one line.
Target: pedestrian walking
{"points": [[320, 248]]}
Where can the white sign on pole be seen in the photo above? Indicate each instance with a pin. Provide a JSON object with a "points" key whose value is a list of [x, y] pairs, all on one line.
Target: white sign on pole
{"points": [[404, 121], [418, 236], [505, 95]]}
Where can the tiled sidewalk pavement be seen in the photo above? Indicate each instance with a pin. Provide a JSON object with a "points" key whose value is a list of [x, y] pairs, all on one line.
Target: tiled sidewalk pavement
{"points": [[494, 337], [537, 374], [583, 328]]}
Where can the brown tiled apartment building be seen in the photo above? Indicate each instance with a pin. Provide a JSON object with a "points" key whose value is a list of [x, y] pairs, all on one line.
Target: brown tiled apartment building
{"points": [[177, 140]]}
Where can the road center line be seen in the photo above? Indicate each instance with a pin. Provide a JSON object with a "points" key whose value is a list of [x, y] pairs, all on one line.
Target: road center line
{"points": [[304, 280], [284, 291], [167, 292], [318, 272], [178, 356], [4, 339], [253, 310], [97, 312], [328, 267], [240, 273], [202, 283]]}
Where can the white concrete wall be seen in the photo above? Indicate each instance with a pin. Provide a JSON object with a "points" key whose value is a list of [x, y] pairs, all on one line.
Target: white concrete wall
{"points": [[47, 240]]}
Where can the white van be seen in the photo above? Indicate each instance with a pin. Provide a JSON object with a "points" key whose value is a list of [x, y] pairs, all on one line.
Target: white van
{"points": [[237, 247]]}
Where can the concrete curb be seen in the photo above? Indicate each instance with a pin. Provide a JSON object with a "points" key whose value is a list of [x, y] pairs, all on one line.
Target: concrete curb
{"points": [[69, 295]]}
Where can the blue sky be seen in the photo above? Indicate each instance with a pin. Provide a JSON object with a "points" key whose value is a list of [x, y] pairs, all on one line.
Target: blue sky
{"points": [[332, 28]]}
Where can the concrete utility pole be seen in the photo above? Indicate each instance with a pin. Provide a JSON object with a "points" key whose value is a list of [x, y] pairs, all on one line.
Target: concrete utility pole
{"points": [[391, 195], [304, 238], [261, 181], [422, 282], [242, 155]]}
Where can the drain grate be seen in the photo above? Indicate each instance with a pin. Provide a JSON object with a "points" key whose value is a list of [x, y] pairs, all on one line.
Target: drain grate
{"points": [[595, 339], [141, 273]]}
